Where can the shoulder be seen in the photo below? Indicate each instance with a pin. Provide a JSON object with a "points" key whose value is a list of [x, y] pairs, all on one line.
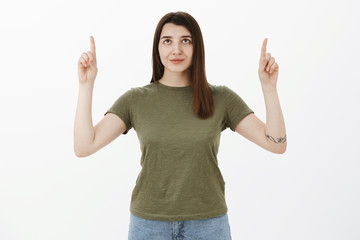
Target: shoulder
{"points": [[219, 90], [148, 88], [142, 94]]}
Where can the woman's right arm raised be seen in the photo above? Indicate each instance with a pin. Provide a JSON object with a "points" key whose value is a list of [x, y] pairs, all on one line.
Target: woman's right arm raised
{"points": [[87, 138]]}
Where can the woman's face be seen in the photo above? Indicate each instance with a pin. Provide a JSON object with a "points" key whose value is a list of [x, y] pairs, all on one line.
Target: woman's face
{"points": [[175, 44]]}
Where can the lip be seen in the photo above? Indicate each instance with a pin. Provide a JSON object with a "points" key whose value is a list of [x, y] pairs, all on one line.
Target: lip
{"points": [[176, 60]]}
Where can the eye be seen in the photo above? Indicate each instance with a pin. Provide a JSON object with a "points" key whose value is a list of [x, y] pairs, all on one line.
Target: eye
{"points": [[188, 40], [166, 40]]}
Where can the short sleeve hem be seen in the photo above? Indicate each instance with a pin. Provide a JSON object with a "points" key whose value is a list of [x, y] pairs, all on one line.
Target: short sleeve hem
{"points": [[121, 107], [122, 117], [239, 118], [236, 108]]}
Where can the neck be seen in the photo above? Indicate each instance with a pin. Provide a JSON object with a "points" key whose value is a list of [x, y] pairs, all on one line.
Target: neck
{"points": [[174, 79]]}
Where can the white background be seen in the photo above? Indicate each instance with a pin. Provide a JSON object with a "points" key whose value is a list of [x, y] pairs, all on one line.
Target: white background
{"points": [[310, 192]]}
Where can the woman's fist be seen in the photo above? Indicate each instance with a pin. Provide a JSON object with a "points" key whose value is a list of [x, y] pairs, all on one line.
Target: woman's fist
{"points": [[87, 67]]}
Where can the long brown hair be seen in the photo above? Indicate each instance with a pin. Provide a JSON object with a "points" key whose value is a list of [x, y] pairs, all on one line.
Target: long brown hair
{"points": [[203, 104]]}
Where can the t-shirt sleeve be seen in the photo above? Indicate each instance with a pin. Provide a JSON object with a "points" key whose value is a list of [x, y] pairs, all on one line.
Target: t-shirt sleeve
{"points": [[236, 108], [122, 108]]}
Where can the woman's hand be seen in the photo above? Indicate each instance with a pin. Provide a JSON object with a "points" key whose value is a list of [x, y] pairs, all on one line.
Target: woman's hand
{"points": [[87, 68], [268, 68]]}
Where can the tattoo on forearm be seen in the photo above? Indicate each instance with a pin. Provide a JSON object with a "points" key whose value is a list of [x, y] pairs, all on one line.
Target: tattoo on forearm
{"points": [[279, 140]]}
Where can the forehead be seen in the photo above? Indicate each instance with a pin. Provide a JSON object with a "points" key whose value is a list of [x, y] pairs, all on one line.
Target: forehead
{"points": [[173, 30]]}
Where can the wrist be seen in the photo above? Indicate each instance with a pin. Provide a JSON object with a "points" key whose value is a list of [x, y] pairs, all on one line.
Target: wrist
{"points": [[269, 89], [86, 86]]}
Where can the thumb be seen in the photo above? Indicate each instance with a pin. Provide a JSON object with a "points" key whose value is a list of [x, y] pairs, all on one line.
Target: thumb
{"points": [[263, 62]]}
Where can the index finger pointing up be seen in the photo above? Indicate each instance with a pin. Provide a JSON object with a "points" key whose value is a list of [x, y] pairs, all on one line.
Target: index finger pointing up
{"points": [[263, 49], [92, 44]]}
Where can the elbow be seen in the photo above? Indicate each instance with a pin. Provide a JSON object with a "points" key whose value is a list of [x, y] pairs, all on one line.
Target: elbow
{"points": [[277, 148], [79, 153], [281, 149]]}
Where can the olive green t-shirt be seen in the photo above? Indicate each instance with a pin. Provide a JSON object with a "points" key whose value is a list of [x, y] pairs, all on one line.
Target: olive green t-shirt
{"points": [[180, 178]]}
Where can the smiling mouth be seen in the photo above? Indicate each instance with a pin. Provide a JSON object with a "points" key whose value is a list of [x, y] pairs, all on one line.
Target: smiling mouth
{"points": [[177, 61]]}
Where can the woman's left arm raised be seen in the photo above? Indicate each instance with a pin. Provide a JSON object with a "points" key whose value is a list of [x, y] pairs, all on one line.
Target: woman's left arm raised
{"points": [[271, 136]]}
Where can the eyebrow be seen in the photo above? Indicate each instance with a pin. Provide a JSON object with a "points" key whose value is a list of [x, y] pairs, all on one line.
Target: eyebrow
{"points": [[188, 36]]}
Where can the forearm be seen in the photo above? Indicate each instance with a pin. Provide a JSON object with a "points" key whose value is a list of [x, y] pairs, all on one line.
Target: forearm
{"points": [[275, 124], [83, 126]]}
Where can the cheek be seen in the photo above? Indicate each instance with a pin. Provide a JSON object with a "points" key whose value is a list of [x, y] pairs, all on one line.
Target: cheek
{"points": [[190, 52], [163, 52], [190, 56]]}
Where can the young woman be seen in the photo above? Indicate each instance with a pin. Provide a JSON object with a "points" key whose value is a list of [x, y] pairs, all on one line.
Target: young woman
{"points": [[178, 118]]}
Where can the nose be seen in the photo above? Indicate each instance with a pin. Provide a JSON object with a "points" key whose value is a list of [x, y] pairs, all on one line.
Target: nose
{"points": [[177, 49]]}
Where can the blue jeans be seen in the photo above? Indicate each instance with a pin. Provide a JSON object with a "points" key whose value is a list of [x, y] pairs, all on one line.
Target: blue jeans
{"points": [[216, 228]]}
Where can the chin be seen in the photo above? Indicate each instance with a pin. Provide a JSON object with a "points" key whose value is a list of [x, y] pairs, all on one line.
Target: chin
{"points": [[178, 69]]}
